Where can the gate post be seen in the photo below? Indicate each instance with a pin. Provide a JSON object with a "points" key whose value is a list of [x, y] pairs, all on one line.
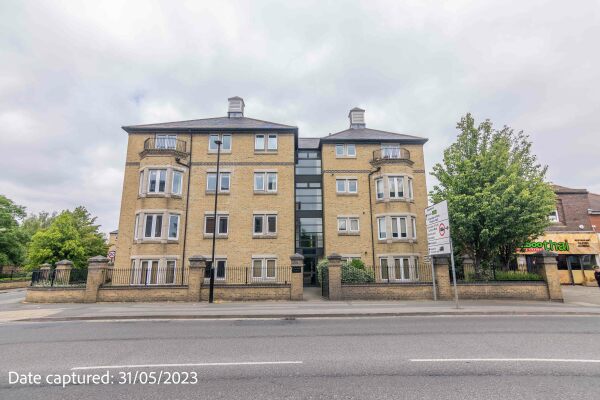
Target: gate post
{"points": [[335, 276], [196, 278], [63, 272], [297, 284], [442, 277], [547, 261], [95, 278]]}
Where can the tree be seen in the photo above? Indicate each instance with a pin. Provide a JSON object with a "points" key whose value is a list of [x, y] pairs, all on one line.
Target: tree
{"points": [[496, 191], [35, 222], [72, 235], [12, 248]]}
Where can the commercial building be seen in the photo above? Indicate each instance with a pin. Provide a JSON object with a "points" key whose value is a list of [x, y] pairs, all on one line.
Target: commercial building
{"points": [[359, 192], [571, 234]]}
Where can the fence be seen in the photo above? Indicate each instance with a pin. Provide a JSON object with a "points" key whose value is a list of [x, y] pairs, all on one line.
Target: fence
{"points": [[522, 272], [259, 274], [15, 276], [143, 275], [399, 272], [59, 277]]}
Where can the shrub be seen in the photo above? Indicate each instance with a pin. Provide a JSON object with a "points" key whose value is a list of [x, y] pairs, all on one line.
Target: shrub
{"points": [[353, 274]]}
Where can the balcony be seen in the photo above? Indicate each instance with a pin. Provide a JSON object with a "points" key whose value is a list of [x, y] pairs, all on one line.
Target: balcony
{"points": [[391, 155], [166, 146]]}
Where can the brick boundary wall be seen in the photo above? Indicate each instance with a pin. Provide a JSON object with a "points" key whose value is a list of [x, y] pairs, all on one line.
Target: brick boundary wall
{"points": [[15, 284], [55, 295], [387, 291], [503, 290]]}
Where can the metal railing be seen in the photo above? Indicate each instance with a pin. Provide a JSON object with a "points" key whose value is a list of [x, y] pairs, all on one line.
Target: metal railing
{"points": [[15, 276], [391, 153], [397, 274], [251, 275], [165, 144], [59, 278], [144, 276], [522, 272]]}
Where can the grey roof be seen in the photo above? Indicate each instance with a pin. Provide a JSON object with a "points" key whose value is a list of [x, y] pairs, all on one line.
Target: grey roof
{"points": [[308, 143], [594, 201], [564, 189], [233, 123], [371, 135]]}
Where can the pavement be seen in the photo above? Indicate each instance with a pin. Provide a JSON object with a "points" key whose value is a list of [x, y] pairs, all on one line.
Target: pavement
{"points": [[413, 357], [578, 301]]}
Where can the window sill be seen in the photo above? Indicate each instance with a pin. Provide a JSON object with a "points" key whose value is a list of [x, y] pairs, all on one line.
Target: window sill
{"points": [[219, 236], [350, 157], [212, 192], [159, 196], [394, 200], [274, 152], [263, 236], [349, 233], [215, 152], [346, 194], [403, 240], [262, 192], [151, 241]]}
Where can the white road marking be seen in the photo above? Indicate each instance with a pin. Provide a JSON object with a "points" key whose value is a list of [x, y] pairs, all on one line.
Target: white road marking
{"points": [[217, 364], [557, 360]]}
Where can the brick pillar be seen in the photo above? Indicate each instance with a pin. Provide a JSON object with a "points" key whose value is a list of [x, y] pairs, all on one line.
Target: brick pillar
{"points": [[546, 261], [45, 271], [335, 276], [63, 272], [97, 267], [297, 289], [196, 277], [442, 278]]}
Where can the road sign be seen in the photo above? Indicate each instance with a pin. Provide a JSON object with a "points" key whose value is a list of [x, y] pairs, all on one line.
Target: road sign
{"points": [[438, 228]]}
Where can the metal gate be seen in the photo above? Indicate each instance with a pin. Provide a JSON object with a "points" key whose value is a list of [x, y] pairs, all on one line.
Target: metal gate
{"points": [[325, 282]]}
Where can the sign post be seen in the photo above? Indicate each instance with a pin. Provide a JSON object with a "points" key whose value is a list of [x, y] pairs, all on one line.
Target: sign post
{"points": [[438, 237]]}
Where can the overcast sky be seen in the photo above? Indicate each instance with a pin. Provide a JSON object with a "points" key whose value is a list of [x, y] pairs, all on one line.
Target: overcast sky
{"points": [[72, 73]]}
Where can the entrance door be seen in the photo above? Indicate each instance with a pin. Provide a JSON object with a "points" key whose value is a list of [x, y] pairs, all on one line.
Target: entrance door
{"points": [[310, 271]]}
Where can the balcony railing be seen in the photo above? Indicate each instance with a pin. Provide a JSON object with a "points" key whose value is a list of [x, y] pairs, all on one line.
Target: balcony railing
{"points": [[391, 153], [165, 144]]}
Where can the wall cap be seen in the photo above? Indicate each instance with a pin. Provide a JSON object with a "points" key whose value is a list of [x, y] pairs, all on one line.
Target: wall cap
{"points": [[98, 259], [296, 257], [64, 262]]}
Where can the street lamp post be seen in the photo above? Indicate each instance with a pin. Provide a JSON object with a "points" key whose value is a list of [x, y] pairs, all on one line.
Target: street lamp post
{"points": [[211, 293]]}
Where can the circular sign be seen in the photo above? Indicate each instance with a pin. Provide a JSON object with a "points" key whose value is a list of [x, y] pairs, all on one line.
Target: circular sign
{"points": [[442, 229]]}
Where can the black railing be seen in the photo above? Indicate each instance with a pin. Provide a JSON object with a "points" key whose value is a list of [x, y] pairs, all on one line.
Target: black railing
{"points": [[165, 144], [522, 272], [398, 273], [61, 277], [264, 274], [391, 153], [15, 276], [145, 276]]}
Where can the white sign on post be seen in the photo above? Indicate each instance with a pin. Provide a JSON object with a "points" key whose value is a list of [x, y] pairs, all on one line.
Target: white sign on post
{"points": [[438, 229]]}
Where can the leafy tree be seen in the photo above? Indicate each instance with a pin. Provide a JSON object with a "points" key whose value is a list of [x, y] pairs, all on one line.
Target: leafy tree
{"points": [[12, 247], [72, 235], [35, 222], [496, 192]]}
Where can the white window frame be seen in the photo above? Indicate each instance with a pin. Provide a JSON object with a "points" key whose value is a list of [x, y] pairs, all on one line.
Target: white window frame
{"points": [[269, 136], [378, 182], [175, 173], [265, 224], [347, 222], [153, 225], [414, 227], [165, 141], [220, 137], [141, 190], [381, 221], [265, 182], [166, 269], [346, 182], [411, 193], [138, 268], [264, 269], [345, 153], [217, 261], [158, 172], [136, 234], [397, 223], [218, 225], [390, 150], [398, 182], [553, 217], [262, 136], [222, 175], [176, 237], [401, 269]]}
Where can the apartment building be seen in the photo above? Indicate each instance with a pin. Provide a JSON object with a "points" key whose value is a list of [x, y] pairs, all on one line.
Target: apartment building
{"points": [[360, 192]]}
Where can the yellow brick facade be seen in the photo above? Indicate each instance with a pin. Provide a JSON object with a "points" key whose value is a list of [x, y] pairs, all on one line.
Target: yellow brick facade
{"points": [[337, 205], [239, 246]]}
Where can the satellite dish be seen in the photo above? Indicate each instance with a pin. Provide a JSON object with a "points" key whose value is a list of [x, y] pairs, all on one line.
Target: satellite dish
{"points": [[581, 227]]}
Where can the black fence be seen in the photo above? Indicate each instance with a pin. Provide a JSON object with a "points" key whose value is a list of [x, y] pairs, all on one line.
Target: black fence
{"points": [[15, 276], [400, 272], [261, 273], [52, 277], [466, 273], [146, 276]]}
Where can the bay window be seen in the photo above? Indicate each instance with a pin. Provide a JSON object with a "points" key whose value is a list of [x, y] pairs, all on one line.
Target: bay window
{"points": [[173, 226], [176, 185], [153, 226], [157, 180], [396, 186]]}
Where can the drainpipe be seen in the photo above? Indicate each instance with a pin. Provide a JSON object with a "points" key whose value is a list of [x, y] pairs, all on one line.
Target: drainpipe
{"points": [[371, 215], [187, 202]]}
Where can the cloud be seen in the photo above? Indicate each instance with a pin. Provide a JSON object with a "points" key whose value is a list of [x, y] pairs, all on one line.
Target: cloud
{"points": [[73, 73]]}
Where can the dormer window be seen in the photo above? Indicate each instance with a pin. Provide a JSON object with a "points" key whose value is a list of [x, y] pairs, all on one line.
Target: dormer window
{"points": [[553, 217]]}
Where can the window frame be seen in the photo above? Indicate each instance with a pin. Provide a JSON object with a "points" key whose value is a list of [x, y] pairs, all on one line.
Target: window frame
{"points": [[382, 221], [169, 140], [219, 136], [264, 224], [264, 269], [157, 180], [220, 181], [345, 153], [398, 183], [218, 224], [256, 137], [180, 174], [176, 237], [379, 181], [153, 226], [552, 219], [265, 181], [348, 224], [346, 182]]}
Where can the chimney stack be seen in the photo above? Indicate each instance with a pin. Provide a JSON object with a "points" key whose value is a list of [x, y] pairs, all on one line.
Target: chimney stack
{"points": [[236, 107], [357, 118]]}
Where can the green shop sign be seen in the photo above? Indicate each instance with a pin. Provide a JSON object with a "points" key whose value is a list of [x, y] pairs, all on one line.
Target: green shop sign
{"points": [[548, 245]]}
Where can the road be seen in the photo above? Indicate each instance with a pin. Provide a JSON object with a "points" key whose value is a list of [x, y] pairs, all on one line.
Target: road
{"points": [[512, 357]]}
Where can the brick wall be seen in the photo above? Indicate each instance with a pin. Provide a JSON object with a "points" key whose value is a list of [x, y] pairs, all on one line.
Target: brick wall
{"points": [[384, 291], [503, 290], [54, 295], [572, 207]]}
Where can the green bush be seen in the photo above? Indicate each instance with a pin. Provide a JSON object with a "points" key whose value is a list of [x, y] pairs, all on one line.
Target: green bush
{"points": [[322, 267], [352, 274]]}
